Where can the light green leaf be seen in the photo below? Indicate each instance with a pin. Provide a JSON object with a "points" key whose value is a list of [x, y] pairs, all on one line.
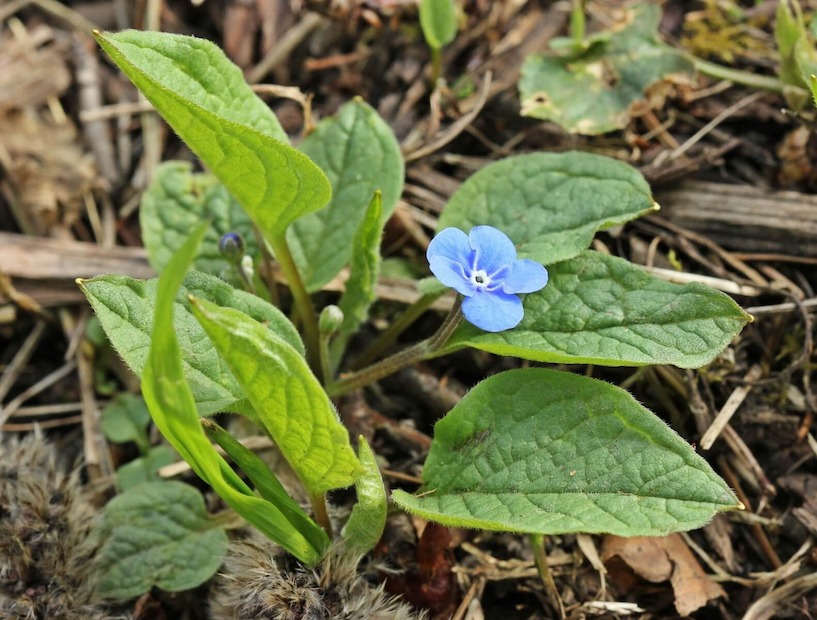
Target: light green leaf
{"points": [[171, 405], [266, 483], [156, 534], [547, 452], [360, 290], [550, 204], [145, 468], [438, 19], [359, 153], [593, 91], [368, 519], [289, 400], [204, 98], [126, 418], [124, 306], [599, 309], [176, 201]]}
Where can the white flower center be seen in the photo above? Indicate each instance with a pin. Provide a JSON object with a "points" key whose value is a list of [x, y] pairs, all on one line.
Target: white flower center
{"points": [[480, 278]]}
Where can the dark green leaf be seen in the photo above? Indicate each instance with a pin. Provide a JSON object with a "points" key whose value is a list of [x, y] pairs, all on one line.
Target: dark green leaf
{"points": [[547, 452]]}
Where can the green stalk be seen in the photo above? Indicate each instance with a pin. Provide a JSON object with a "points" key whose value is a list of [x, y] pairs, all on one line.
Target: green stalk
{"points": [[577, 23], [745, 78], [318, 501], [540, 556], [398, 361], [398, 326], [303, 305]]}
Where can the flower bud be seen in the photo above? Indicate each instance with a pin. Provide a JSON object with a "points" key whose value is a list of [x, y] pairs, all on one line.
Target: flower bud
{"points": [[231, 246], [330, 320]]}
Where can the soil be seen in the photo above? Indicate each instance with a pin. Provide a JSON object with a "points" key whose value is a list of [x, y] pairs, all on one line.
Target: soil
{"points": [[731, 166]]}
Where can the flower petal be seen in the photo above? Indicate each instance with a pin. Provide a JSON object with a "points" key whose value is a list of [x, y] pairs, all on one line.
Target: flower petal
{"points": [[494, 249], [453, 244], [451, 273], [493, 311], [524, 276]]}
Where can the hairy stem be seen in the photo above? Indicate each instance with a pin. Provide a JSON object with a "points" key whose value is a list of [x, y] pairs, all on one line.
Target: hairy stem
{"points": [[318, 501], [303, 305], [392, 333], [540, 556], [400, 360]]}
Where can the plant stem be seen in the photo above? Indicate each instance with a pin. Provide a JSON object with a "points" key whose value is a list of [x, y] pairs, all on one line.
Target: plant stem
{"points": [[303, 305], [577, 22], [318, 501], [540, 556], [436, 66], [761, 82], [404, 358], [325, 355], [392, 333]]}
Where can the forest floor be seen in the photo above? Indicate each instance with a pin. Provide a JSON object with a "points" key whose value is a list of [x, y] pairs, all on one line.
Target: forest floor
{"points": [[733, 171]]}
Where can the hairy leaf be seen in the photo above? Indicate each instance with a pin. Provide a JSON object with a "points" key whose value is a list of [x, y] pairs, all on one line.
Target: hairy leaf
{"points": [[368, 519], [124, 306], [359, 153], [599, 309], [547, 452], [289, 400], [550, 204], [156, 534]]}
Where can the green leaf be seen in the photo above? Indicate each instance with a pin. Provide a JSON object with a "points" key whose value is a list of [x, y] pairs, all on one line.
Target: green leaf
{"points": [[599, 309], [156, 534], [124, 306], [126, 418], [176, 201], [359, 153], [204, 98], [360, 290], [289, 400], [145, 468], [171, 405], [593, 91], [438, 19], [266, 483], [368, 519], [550, 204], [547, 452]]}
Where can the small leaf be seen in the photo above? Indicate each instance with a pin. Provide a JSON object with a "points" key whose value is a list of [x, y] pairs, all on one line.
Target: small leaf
{"points": [[359, 153], [126, 418], [145, 468], [438, 19], [593, 92], [176, 201], [550, 204], [157, 534], [289, 400], [204, 98], [368, 519], [171, 405], [599, 309], [360, 290], [548, 452], [124, 306]]}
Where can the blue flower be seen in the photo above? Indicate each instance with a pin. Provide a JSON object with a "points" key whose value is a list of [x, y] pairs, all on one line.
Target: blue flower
{"points": [[483, 267]]}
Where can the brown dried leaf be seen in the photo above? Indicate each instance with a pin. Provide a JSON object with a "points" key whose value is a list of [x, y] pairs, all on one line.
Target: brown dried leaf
{"points": [[665, 558]]}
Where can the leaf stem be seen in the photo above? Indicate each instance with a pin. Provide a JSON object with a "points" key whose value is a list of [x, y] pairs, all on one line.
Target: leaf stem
{"points": [[436, 65], [540, 556], [303, 305], [399, 360], [398, 326], [318, 501], [745, 78], [577, 22]]}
